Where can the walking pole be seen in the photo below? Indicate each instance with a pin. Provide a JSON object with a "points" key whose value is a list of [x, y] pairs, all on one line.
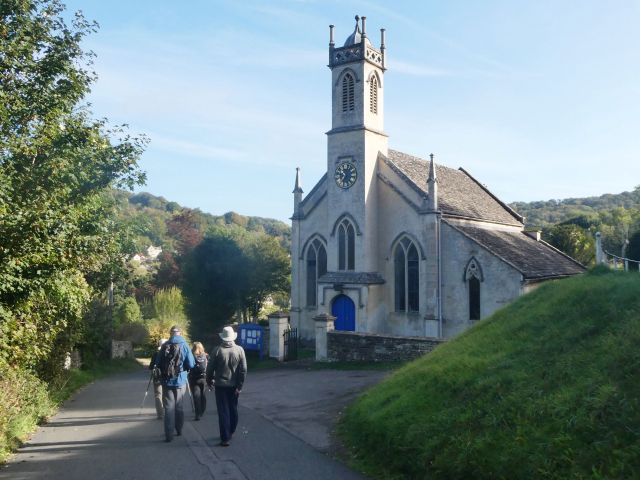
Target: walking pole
{"points": [[193, 408], [146, 392]]}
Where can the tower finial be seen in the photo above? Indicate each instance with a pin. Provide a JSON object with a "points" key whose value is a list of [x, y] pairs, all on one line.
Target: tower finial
{"points": [[297, 188], [364, 33], [432, 169]]}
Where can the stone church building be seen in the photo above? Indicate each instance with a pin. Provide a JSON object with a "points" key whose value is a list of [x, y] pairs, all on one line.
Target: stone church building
{"points": [[389, 243]]}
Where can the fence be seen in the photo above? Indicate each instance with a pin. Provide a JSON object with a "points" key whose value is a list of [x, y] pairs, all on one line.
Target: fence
{"points": [[614, 261]]}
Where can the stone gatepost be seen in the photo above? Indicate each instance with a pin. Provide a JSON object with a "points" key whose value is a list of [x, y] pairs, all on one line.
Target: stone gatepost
{"points": [[278, 323], [324, 324]]}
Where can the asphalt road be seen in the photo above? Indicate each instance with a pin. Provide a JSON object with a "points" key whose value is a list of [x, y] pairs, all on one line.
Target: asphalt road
{"points": [[286, 419]]}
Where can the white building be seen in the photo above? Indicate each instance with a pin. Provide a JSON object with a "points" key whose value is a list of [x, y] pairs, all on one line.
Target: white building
{"points": [[392, 244]]}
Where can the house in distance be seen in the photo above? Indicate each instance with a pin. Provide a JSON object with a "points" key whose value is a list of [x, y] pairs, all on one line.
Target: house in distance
{"points": [[389, 243]]}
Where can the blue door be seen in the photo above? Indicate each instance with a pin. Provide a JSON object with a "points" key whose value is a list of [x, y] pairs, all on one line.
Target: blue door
{"points": [[345, 312]]}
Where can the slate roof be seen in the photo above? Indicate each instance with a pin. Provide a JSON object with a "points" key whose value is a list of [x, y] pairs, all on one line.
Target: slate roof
{"points": [[459, 194], [536, 260], [367, 278]]}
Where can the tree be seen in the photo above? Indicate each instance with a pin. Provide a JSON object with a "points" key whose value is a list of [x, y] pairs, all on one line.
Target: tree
{"points": [[167, 309], [269, 272], [57, 226], [215, 276], [574, 241], [633, 250]]}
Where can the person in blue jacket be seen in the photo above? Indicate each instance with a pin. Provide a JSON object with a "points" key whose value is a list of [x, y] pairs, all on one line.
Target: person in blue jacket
{"points": [[174, 388]]}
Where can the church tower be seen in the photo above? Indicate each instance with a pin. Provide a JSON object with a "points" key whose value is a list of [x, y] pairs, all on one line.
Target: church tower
{"points": [[353, 143]]}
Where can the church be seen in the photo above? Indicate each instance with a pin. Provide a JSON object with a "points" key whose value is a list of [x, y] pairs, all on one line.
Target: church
{"points": [[392, 244]]}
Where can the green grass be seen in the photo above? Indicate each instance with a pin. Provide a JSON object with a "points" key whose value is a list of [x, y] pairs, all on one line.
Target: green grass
{"points": [[548, 387]]}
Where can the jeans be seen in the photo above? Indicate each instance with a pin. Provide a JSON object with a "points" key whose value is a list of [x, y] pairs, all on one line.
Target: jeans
{"points": [[173, 412], [227, 404], [199, 399]]}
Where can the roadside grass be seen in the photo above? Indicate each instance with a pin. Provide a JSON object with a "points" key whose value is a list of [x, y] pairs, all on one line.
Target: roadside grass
{"points": [[545, 388], [28, 401]]}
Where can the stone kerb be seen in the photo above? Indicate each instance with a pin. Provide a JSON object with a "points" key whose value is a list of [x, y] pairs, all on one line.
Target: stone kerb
{"points": [[278, 323], [324, 324]]}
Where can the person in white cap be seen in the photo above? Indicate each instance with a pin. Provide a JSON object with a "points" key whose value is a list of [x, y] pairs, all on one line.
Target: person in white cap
{"points": [[227, 371]]}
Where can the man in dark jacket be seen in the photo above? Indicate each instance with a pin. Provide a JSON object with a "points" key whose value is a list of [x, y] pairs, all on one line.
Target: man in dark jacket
{"points": [[174, 388], [227, 370]]}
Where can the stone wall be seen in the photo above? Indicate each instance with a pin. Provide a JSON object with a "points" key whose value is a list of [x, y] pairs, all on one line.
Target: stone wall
{"points": [[121, 349], [367, 347]]}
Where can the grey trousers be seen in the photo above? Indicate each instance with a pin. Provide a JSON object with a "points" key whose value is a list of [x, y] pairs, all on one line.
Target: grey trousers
{"points": [[173, 411], [157, 391]]}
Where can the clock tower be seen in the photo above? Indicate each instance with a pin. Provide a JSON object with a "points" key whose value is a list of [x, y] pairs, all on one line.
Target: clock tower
{"points": [[353, 143]]}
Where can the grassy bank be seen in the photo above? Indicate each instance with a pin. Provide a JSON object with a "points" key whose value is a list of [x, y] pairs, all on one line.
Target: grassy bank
{"points": [[545, 388], [27, 400]]}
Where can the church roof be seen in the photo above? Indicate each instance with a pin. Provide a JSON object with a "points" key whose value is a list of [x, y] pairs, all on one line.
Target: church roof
{"points": [[356, 37], [536, 260], [459, 194]]}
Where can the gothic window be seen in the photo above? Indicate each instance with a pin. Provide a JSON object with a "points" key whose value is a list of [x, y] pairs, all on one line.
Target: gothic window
{"points": [[346, 245], [316, 267], [407, 276], [348, 93], [474, 299], [373, 94], [473, 277]]}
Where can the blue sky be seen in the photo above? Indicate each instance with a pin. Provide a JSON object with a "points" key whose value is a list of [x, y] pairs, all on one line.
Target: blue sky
{"points": [[536, 99]]}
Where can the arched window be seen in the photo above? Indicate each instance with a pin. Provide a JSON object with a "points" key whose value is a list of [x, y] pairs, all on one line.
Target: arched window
{"points": [[407, 276], [473, 277], [346, 246], [316, 267], [474, 299], [348, 93], [373, 94]]}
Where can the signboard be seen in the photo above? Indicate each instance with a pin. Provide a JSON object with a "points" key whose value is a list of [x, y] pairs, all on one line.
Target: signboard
{"points": [[251, 337]]}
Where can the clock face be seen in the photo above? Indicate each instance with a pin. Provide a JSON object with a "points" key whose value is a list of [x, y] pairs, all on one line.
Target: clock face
{"points": [[346, 174]]}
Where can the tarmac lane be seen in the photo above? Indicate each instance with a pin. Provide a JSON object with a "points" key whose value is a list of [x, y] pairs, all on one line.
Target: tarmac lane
{"points": [[286, 417]]}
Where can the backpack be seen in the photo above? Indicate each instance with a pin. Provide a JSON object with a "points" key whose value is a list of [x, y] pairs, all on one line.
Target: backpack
{"points": [[200, 369], [170, 361]]}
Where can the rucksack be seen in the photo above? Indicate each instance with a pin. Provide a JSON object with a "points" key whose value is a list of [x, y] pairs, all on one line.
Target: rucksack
{"points": [[170, 361], [200, 369]]}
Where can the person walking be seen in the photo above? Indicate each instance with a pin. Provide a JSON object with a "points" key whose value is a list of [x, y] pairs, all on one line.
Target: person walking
{"points": [[154, 366], [197, 379], [176, 360], [227, 372]]}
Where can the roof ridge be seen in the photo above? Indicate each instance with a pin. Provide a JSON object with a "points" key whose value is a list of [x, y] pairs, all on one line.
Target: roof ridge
{"points": [[513, 213]]}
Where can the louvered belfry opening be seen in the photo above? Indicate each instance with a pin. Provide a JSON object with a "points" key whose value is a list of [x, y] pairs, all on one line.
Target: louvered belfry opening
{"points": [[373, 95], [348, 94]]}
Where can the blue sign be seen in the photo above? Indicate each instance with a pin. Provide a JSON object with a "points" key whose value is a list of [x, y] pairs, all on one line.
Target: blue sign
{"points": [[251, 337]]}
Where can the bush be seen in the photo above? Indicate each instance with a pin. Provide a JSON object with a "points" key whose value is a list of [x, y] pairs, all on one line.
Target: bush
{"points": [[24, 403]]}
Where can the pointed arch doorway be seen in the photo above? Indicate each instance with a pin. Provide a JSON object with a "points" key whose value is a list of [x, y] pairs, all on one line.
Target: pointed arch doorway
{"points": [[344, 310]]}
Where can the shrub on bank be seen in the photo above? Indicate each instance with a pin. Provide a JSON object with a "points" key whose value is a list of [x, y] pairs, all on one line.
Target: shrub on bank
{"points": [[25, 402]]}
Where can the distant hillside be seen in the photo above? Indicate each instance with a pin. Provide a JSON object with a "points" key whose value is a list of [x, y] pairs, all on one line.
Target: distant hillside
{"points": [[545, 388], [149, 214], [545, 213]]}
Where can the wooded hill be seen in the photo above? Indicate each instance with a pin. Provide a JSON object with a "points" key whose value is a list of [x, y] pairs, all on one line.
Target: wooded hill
{"points": [[545, 213], [150, 215]]}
